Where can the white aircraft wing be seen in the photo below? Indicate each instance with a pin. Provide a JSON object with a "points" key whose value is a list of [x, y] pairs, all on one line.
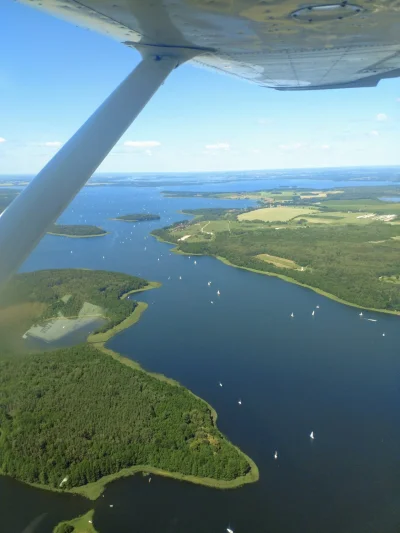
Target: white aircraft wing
{"points": [[284, 44]]}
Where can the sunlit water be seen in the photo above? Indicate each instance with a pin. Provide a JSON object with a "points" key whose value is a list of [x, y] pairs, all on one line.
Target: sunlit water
{"points": [[334, 374]]}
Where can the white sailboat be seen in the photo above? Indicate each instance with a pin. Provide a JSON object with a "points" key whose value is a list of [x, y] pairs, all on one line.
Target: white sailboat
{"points": [[195, 262], [229, 530], [361, 314], [317, 306], [313, 313], [180, 277], [312, 435], [218, 293], [292, 315], [212, 302], [209, 283], [220, 384], [276, 455], [240, 402], [383, 334]]}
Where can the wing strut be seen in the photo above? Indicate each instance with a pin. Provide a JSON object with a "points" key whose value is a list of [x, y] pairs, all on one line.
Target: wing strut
{"points": [[26, 220]]}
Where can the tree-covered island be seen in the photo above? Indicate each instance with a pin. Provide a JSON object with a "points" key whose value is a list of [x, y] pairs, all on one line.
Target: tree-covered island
{"points": [[137, 217], [76, 230]]}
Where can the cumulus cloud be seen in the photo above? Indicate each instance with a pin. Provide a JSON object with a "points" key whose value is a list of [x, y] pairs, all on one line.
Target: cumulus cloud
{"points": [[218, 146], [2, 140], [142, 144], [381, 117], [374, 133], [52, 143]]}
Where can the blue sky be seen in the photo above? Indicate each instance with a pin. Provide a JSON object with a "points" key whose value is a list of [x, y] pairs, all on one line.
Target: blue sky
{"points": [[54, 75]]}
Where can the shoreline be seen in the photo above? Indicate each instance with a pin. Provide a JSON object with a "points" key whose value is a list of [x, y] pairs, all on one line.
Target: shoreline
{"points": [[282, 277], [315, 289]]}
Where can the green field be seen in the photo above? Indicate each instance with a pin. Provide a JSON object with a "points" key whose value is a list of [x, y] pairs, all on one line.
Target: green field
{"points": [[277, 214], [338, 218], [278, 261]]}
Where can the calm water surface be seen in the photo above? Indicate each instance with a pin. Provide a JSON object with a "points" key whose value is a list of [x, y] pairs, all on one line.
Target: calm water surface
{"points": [[334, 374]]}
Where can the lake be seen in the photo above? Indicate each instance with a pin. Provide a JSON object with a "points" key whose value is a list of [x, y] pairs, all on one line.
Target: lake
{"points": [[334, 374]]}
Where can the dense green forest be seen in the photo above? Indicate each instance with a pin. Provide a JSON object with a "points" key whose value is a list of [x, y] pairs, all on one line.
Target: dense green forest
{"points": [[97, 287], [346, 261], [79, 413], [75, 230], [138, 217]]}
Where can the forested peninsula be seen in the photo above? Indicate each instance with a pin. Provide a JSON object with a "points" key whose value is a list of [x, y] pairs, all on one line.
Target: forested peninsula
{"points": [[344, 244], [137, 217], [76, 418]]}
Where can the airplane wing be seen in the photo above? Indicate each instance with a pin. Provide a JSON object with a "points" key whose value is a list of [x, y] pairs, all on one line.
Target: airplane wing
{"points": [[283, 44]]}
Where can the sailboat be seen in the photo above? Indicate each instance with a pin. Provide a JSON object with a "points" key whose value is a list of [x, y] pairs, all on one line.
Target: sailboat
{"points": [[361, 314], [218, 293], [383, 334], [220, 384], [292, 315], [313, 313], [209, 283], [317, 306], [240, 402], [276, 455], [195, 262], [312, 435]]}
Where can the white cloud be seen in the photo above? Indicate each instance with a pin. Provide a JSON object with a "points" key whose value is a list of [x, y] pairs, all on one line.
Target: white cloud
{"points": [[381, 117], [52, 143], [142, 144], [218, 146], [374, 133], [2, 140]]}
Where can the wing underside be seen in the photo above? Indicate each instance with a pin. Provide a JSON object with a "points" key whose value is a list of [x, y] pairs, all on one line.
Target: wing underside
{"points": [[281, 44]]}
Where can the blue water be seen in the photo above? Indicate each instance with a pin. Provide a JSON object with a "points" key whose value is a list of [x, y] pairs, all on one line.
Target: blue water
{"points": [[333, 374], [394, 199]]}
